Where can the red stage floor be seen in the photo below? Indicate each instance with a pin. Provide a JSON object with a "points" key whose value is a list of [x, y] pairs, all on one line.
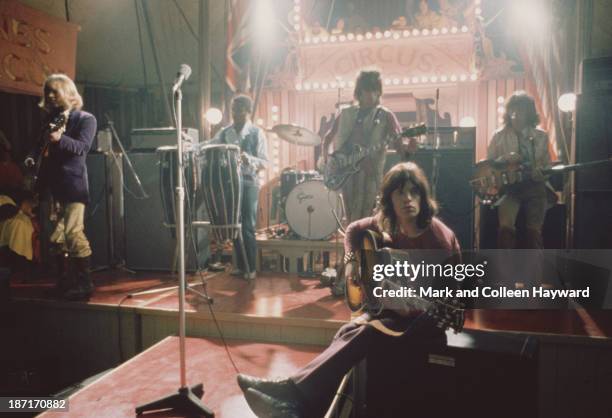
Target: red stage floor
{"points": [[155, 373], [282, 295]]}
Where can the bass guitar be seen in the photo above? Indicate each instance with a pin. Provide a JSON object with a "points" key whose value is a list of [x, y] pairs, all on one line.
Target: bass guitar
{"points": [[359, 295], [57, 122], [346, 161], [491, 178]]}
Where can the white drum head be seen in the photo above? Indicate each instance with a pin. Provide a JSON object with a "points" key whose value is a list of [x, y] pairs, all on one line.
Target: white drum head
{"points": [[309, 210]]}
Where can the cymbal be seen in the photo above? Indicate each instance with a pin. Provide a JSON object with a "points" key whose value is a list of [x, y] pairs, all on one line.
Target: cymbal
{"points": [[297, 135]]}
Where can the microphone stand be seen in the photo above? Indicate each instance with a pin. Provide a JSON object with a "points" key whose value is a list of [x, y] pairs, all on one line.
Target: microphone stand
{"points": [[435, 170], [187, 399]]}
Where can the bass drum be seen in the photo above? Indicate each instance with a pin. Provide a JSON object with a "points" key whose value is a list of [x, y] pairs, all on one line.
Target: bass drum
{"points": [[310, 210]]}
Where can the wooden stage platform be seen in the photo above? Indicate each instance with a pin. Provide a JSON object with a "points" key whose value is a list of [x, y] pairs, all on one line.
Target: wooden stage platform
{"points": [[155, 373]]}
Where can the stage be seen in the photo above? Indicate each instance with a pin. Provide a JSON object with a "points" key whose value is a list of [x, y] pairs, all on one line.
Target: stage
{"points": [[154, 373]]}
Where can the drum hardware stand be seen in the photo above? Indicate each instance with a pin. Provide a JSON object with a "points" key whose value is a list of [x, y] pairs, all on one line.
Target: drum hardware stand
{"points": [[309, 273], [110, 193], [186, 399]]}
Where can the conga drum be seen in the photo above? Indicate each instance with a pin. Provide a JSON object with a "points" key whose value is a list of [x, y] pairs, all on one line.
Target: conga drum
{"points": [[168, 163], [221, 188]]}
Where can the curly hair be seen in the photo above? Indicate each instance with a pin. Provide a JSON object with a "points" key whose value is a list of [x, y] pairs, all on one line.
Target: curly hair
{"points": [[520, 99], [395, 179]]}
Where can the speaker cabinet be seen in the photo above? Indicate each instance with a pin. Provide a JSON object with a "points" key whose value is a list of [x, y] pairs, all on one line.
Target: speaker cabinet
{"points": [[453, 192], [478, 375], [593, 204], [150, 245], [96, 213]]}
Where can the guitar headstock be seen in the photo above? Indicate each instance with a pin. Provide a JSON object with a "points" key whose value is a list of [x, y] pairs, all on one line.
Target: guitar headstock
{"points": [[448, 313], [416, 130], [58, 121]]}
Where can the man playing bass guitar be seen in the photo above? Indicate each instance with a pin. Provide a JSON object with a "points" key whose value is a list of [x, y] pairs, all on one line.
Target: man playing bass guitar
{"points": [[61, 154], [520, 140]]}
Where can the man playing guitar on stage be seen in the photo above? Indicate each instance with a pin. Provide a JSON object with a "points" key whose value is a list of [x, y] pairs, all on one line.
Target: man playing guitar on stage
{"points": [[62, 152], [365, 124], [520, 140]]}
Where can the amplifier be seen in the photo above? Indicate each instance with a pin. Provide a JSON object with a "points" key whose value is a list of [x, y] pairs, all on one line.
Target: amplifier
{"points": [[147, 139], [597, 75]]}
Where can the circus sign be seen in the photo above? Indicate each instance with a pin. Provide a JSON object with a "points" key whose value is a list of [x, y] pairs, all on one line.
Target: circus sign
{"points": [[416, 57], [33, 45]]}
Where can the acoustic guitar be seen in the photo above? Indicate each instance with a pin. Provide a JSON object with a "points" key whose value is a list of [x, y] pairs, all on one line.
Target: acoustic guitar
{"points": [[359, 295]]}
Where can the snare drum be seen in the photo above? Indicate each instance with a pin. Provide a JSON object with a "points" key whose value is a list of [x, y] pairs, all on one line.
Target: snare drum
{"points": [[310, 210], [221, 187]]}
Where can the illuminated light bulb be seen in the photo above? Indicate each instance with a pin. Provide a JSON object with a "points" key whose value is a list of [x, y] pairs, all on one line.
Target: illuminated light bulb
{"points": [[359, 37], [477, 2], [333, 84], [333, 38], [396, 81], [406, 80], [424, 79], [315, 40], [463, 77], [351, 83], [454, 29], [567, 102], [387, 81], [306, 40], [464, 29], [306, 86], [435, 32], [315, 85], [368, 35], [500, 99], [296, 8], [324, 86], [387, 34], [478, 11], [453, 77], [296, 26], [324, 38], [379, 35], [425, 32], [406, 33], [444, 31], [415, 79], [274, 118], [350, 36], [296, 18], [343, 83], [415, 32], [298, 87], [434, 78], [501, 109], [259, 121], [213, 116], [396, 35], [444, 79], [274, 109], [342, 38], [474, 77]]}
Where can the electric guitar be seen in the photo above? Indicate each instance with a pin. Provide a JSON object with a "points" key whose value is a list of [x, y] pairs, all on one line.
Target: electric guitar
{"points": [[491, 178], [359, 295], [346, 161], [58, 122]]}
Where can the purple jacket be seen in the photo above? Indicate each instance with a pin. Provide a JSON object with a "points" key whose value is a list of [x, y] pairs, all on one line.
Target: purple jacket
{"points": [[64, 171]]}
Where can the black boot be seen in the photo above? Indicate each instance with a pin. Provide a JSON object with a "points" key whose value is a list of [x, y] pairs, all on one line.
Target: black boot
{"points": [[84, 286], [63, 274]]}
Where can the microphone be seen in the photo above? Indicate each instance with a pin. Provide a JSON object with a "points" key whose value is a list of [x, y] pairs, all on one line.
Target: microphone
{"points": [[183, 74]]}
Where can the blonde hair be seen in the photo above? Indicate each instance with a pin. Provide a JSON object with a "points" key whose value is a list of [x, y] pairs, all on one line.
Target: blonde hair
{"points": [[69, 97]]}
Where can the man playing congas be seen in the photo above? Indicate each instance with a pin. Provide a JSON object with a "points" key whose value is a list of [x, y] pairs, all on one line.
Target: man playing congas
{"points": [[253, 158]]}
